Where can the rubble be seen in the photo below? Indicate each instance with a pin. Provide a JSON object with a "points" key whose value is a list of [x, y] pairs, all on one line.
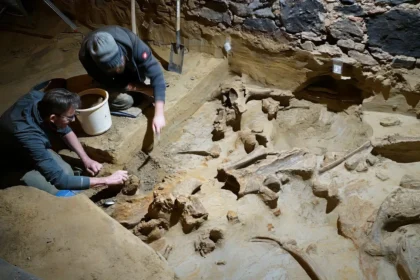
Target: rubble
{"points": [[354, 10], [347, 44], [331, 50], [260, 24], [402, 61], [363, 58], [308, 46], [212, 17], [265, 13], [345, 29], [311, 36], [359, 47], [380, 55], [240, 9]]}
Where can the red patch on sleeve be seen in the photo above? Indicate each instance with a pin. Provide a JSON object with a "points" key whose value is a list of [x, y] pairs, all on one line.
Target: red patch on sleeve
{"points": [[144, 55]]}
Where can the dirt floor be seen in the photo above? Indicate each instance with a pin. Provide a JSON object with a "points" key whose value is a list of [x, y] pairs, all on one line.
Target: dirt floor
{"points": [[260, 197], [258, 184]]}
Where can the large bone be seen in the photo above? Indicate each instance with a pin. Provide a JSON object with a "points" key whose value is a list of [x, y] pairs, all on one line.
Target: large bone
{"points": [[243, 177], [259, 153], [347, 156], [219, 125], [260, 93], [270, 107], [398, 148], [234, 91], [401, 207], [249, 140], [402, 248], [308, 264]]}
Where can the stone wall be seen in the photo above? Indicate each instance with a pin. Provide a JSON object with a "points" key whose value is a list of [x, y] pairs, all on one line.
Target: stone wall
{"points": [[379, 40]]}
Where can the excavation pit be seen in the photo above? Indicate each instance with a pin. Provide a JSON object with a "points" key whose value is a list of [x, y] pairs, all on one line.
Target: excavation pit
{"points": [[292, 173], [297, 174]]}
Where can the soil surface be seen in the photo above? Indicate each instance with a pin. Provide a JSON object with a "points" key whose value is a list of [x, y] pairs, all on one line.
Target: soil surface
{"points": [[70, 238]]}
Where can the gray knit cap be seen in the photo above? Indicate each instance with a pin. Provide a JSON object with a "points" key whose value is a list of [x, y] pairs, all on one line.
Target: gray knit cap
{"points": [[105, 51]]}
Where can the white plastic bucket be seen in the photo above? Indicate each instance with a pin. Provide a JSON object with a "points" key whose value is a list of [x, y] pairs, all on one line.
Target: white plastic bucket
{"points": [[95, 120]]}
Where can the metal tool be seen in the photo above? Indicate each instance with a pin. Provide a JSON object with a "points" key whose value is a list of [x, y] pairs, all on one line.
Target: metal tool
{"points": [[133, 17], [108, 203], [61, 15], [176, 59], [122, 114]]}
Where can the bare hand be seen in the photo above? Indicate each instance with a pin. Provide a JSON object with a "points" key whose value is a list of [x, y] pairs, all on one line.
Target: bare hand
{"points": [[131, 87], [158, 123], [118, 178], [93, 167]]}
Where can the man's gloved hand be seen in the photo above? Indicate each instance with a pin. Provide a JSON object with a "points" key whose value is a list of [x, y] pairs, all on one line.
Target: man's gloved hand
{"points": [[93, 167]]}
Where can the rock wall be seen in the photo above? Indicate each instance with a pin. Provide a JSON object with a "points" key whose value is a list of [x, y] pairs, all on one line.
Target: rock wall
{"points": [[287, 43]]}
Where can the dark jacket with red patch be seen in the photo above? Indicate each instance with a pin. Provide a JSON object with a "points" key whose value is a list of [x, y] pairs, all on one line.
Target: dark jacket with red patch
{"points": [[140, 62]]}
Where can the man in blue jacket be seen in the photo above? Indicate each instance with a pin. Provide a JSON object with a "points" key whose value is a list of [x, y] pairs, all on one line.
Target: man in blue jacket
{"points": [[27, 130], [116, 58]]}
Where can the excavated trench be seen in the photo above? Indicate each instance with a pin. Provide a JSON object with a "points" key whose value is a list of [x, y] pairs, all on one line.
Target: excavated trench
{"points": [[258, 169]]}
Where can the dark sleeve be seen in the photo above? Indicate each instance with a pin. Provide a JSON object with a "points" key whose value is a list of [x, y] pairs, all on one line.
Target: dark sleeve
{"points": [[98, 75], [50, 169], [147, 62], [64, 131]]}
